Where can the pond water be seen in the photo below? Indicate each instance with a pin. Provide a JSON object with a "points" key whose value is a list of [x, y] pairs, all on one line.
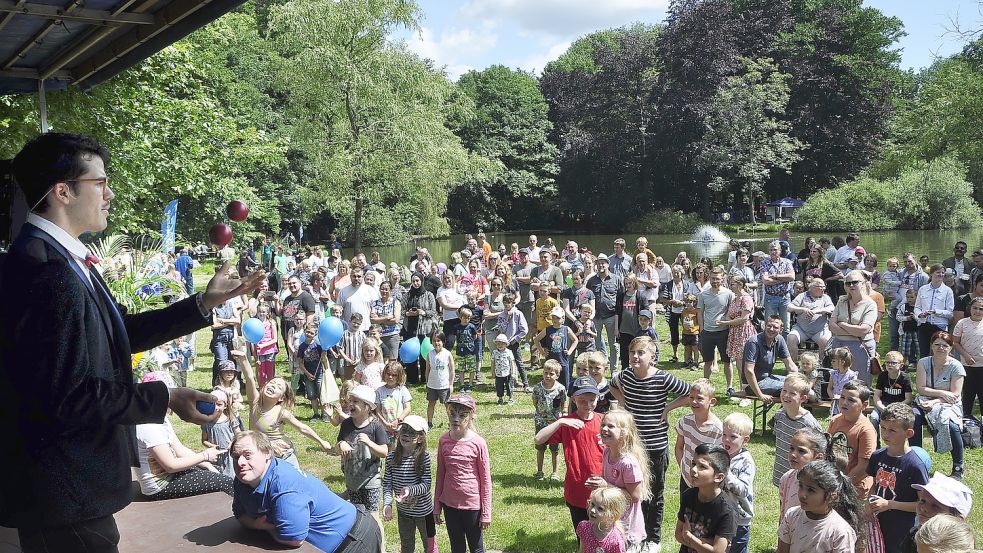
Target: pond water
{"points": [[937, 244]]}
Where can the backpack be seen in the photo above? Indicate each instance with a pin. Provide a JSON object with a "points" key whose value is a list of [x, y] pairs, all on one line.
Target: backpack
{"points": [[971, 433]]}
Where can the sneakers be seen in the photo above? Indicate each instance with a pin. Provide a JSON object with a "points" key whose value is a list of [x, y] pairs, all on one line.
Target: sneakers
{"points": [[540, 475], [692, 367], [957, 472], [511, 401], [554, 477], [731, 391], [674, 359], [500, 401]]}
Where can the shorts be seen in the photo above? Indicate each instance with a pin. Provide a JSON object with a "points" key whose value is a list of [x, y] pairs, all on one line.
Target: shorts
{"points": [[554, 448], [367, 497], [312, 388], [434, 394], [466, 364], [714, 339], [690, 339]]}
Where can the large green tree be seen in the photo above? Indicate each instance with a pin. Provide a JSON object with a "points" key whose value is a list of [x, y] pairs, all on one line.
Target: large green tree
{"points": [[369, 117], [510, 126]]}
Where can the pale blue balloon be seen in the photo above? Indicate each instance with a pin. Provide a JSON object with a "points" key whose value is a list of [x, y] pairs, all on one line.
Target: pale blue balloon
{"points": [[924, 456], [253, 330], [409, 351], [330, 331]]}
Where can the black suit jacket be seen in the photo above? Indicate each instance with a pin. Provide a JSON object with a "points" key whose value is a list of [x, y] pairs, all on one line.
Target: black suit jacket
{"points": [[67, 396]]}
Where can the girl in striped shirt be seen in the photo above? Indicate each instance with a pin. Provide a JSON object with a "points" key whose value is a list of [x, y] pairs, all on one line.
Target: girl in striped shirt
{"points": [[407, 480]]}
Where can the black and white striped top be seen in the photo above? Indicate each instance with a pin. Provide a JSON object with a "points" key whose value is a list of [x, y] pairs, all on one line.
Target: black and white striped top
{"points": [[646, 401], [403, 475]]}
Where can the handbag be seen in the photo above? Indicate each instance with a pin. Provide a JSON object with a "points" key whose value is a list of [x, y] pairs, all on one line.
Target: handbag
{"points": [[875, 366], [971, 433]]}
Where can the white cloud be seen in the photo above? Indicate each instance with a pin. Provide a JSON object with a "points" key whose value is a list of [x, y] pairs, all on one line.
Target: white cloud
{"points": [[537, 63], [567, 18], [453, 47]]}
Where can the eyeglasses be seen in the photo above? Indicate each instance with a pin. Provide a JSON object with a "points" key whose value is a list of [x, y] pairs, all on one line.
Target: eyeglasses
{"points": [[101, 182], [852, 282]]}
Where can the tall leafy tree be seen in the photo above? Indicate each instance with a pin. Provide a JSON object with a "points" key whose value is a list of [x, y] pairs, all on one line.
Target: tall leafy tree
{"points": [[510, 125], [746, 139]]}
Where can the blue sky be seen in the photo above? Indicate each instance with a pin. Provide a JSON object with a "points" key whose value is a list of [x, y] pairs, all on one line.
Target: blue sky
{"points": [[473, 34]]}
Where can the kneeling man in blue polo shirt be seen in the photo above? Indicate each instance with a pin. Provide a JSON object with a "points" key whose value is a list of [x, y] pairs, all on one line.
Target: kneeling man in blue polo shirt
{"points": [[294, 506]]}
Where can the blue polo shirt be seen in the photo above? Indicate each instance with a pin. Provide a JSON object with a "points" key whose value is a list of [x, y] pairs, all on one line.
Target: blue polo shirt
{"points": [[298, 504]]}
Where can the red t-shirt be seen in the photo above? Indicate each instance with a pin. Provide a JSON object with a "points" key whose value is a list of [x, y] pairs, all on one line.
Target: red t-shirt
{"points": [[584, 455]]}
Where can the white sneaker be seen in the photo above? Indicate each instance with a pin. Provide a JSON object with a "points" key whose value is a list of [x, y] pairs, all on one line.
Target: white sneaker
{"points": [[651, 547]]}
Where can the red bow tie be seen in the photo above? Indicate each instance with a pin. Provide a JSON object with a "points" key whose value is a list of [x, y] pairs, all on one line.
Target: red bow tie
{"points": [[91, 260]]}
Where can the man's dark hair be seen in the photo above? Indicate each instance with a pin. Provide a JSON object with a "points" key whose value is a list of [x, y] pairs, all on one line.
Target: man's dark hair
{"points": [[50, 158]]}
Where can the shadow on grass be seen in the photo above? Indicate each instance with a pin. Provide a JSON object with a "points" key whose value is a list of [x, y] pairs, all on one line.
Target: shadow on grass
{"points": [[546, 541], [499, 416]]}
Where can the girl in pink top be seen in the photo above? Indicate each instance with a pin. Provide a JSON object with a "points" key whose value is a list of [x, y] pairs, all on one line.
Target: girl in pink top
{"points": [[806, 446], [602, 531], [626, 467], [267, 348], [462, 494]]}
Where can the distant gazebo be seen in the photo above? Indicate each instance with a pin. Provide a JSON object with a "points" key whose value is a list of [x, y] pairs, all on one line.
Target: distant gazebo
{"points": [[783, 209]]}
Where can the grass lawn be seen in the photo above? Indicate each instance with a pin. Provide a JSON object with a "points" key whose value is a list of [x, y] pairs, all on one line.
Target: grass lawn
{"points": [[531, 516]]}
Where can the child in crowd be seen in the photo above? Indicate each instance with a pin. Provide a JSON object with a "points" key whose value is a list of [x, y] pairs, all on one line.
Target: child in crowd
{"points": [[545, 304], [706, 515], [439, 376], [463, 491], [895, 469], [185, 353], [549, 398], [739, 484], [220, 433], [859, 433], [597, 367], [313, 362], [266, 349], [645, 327], [503, 366], [945, 534], [393, 400], [807, 445], [407, 482], [558, 342], [341, 411], [581, 367], [602, 532], [466, 338], [368, 371], [362, 445], [335, 358], [625, 468], [809, 368], [700, 426], [477, 315], [512, 324], [691, 333], [585, 329], [295, 335], [351, 345], [579, 433], [892, 386], [908, 330], [840, 359], [830, 510], [790, 419], [228, 382], [943, 495]]}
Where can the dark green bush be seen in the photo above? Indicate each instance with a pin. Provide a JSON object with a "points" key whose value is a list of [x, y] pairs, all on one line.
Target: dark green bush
{"points": [[665, 221]]}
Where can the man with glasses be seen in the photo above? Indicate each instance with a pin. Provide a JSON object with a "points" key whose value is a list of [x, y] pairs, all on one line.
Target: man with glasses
{"points": [[619, 263], [534, 250], [776, 275], [573, 257], [959, 266], [812, 309], [609, 291], [67, 393], [357, 297]]}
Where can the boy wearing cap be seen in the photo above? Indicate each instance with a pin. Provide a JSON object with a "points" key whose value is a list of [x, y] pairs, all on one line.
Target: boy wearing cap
{"points": [[942, 495], [504, 368], [579, 432], [362, 445], [558, 342]]}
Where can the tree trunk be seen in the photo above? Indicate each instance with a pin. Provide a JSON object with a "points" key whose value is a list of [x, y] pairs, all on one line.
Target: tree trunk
{"points": [[357, 225], [750, 203]]}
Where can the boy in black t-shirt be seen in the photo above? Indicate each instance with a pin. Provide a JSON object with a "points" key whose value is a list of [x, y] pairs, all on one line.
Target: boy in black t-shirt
{"points": [[893, 386], [706, 516]]}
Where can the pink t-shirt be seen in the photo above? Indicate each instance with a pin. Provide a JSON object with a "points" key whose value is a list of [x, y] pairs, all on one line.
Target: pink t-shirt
{"points": [[788, 492], [614, 542], [370, 375], [463, 475], [626, 470], [970, 335], [831, 534]]}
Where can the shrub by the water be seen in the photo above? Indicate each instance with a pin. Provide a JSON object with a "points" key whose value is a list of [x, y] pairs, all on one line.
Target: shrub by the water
{"points": [[665, 221], [926, 195]]}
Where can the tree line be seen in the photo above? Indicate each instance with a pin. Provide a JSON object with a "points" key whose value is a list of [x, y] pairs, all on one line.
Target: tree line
{"points": [[313, 114]]}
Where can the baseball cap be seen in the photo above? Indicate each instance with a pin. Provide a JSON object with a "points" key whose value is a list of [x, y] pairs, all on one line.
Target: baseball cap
{"points": [[363, 393], [557, 312], [227, 366], [759, 253], [523, 251], [415, 422], [585, 385], [501, 338], [463, 399], [602, 257], [949, 492], [860, 251], [645, 313]]}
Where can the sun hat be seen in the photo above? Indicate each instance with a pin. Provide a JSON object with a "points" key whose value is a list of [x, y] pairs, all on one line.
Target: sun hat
{"points": [[602, 257], [501, 338], [415, 422], [363, 393], [220, 395], [949, 492], [557, 312], [227, 366]]}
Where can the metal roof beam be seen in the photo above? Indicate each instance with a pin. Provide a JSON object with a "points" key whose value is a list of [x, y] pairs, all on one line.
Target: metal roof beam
{"points": [[21, 73], [6, 17], [170, 15], [38, 37], [74, 12]]}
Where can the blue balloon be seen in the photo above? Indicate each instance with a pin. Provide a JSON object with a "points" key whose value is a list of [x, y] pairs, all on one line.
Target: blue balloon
{"points": [[409, 351], [253, 330], [303, 337], [330, 331], [924, 456]]}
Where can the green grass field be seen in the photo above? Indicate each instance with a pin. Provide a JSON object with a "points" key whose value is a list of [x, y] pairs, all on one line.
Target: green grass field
{"points": [[528, 515]]}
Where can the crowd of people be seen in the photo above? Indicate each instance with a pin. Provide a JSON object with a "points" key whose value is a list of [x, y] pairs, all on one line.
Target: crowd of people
{"points": [[588, 322]]}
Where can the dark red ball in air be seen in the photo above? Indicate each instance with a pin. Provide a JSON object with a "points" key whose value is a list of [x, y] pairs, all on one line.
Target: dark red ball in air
{"points": [[220, 234], [237, 211]]}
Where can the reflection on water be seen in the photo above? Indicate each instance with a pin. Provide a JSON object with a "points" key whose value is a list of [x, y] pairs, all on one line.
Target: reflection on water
{"points": [[937, 244]]}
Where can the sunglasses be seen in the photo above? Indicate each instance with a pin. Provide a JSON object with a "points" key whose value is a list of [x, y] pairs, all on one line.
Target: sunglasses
{"points": [[852, 282]]}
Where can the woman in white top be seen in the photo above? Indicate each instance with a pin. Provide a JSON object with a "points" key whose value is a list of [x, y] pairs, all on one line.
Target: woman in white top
{"points": [[852, 323], [673, 296], [933, 307], [449, 299], [648, 279]]}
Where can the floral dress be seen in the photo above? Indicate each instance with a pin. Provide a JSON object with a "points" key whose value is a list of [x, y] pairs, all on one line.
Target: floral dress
{"points": [[738, 335]]}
